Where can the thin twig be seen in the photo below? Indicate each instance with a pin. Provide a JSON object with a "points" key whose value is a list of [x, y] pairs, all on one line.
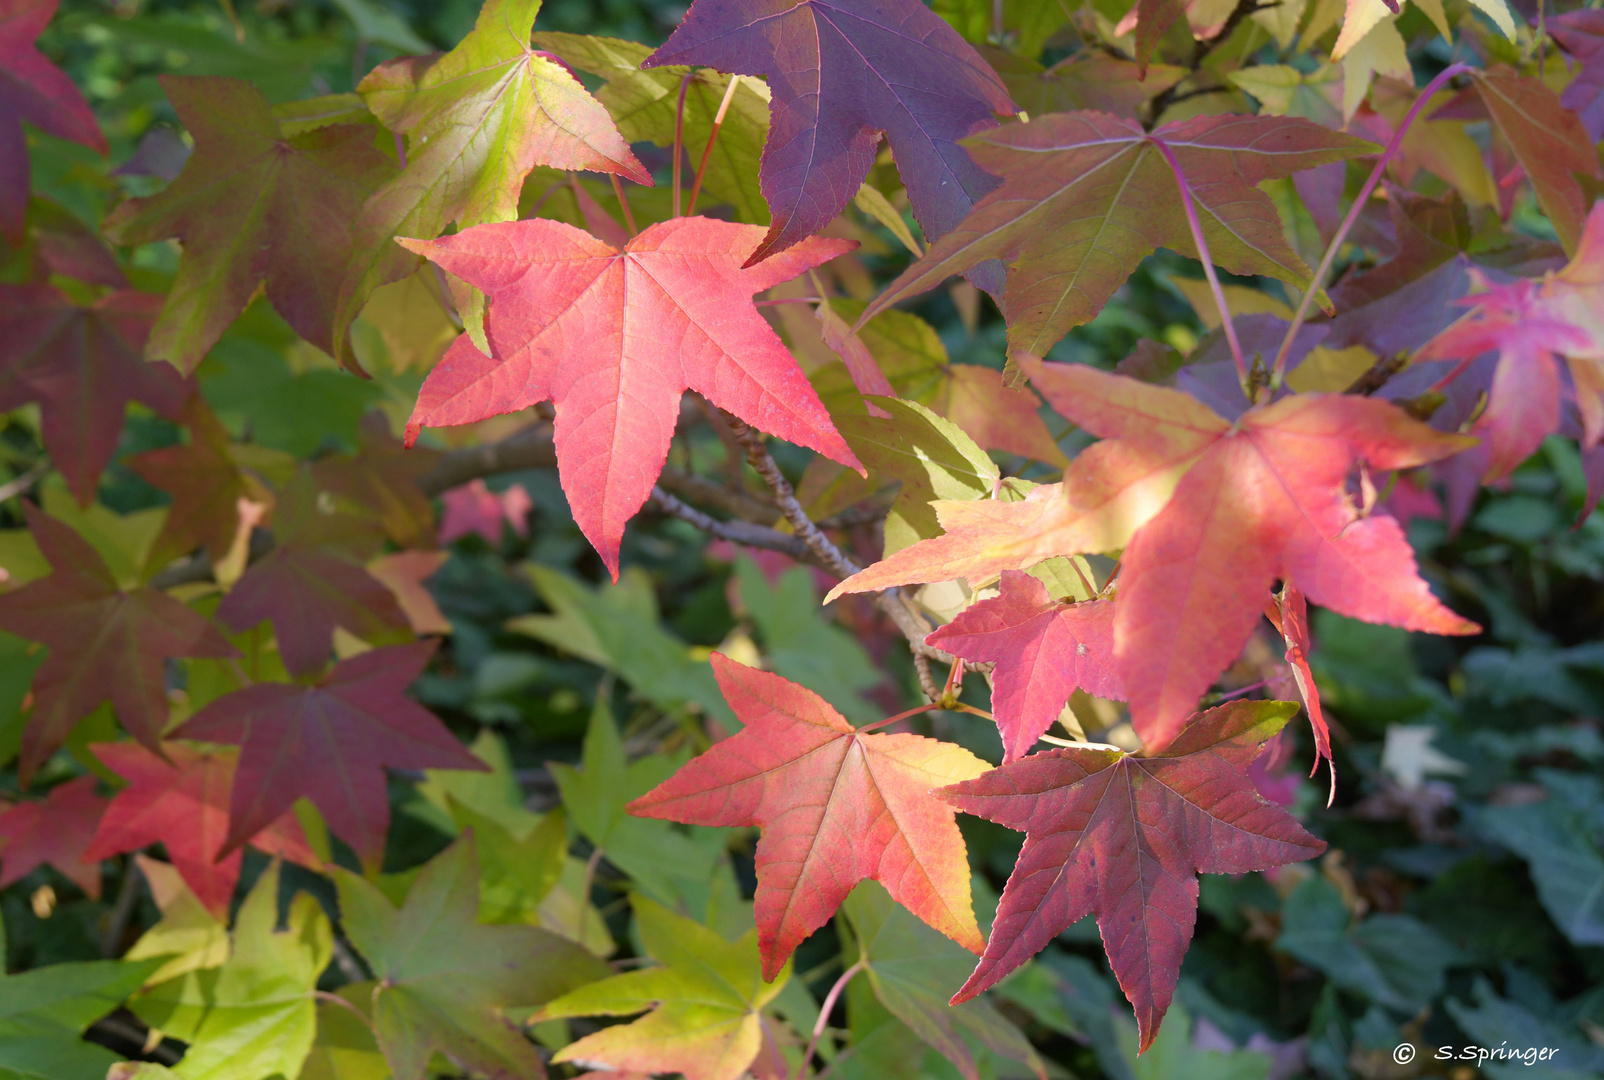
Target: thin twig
{"points": [[707, 151], [1316, 283], [123, 910], [1208, 264], [824, 1014], [679, 134], [629, 215], [737, 532], [785, 498], [1378, 374], [20, 484]]}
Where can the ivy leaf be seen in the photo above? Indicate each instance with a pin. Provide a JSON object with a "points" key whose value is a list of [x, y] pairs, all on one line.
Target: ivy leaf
{"points": [[911, 970], [835, 807], [256, 1014], [1531, 325], [1043, 650], [179, 799], [478, 120], [34, 90], [444, 981], [1123, 837], [253, 206], [105, 644], [82, 363], [44, 1011], [55, 830], [705, 1003], [1255, 501], [613, 338], [1548, 140], [841, 72], [645, 102], [1085, 197], [331, 743]]}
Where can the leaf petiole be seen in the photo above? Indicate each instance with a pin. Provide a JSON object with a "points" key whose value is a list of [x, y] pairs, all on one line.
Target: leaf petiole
{"points": [[707, 151], [825, 1009], [629, 215], [679, 135]]}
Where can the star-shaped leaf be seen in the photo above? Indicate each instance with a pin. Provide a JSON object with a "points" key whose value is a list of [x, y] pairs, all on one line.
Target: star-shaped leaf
{"points": [[478, 119], [1043, 650], [841, 72], [1532, 324], [83, 364], [54, 830], [105, 644], [381, 479], [35, 91], [1090, 79], [705, 1003], [1085, 197], [43, 1014], [1255, 501], [256, 1014], [1123, 837], [188, 936], [444, 982], [1582, 34], [644, 104], [180, 800], [613, 338], [835, 807], [331, 743], [253, 207]]}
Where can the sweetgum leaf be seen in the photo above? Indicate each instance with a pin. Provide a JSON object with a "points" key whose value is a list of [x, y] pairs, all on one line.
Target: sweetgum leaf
{"points": [[187, 937], [1123, 837], [1582, 35], [613, 338], [1549, 141], [1089, 79], [180, 800], [1532, 324], [82, 363], [331, 743], [841, 72], [105, 644], [478, 120], [644, 104], [253, 206], [1255, 501], [256, 1014], [705, 1002], [33, 90], [44, 1011], [55, 830], [1085, 197], [205, 483], [835, 808], [444, 981], [913, 971], [1043, 650]]}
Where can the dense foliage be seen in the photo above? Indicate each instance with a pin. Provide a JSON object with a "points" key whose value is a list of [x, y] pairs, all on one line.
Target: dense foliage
{"points": [[839, 537]]}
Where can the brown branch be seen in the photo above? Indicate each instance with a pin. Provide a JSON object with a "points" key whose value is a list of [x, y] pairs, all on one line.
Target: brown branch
{"points": [[1379, 373], [737, 531], [1200, 53]]}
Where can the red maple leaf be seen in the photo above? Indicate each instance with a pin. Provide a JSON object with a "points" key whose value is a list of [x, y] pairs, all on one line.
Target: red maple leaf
{"points": [[331, 743], [55, 830], [836, 806], [105, 644], [841, 72], [1123, 837], [614, 338], [83, 363], [1255, 501], [1531, 324], [182, 804], [34, 90], [1043, 650]]}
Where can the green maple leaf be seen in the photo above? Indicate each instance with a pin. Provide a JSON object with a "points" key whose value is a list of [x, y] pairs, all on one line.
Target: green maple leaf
{"points": [[478, 119], [705, 1003], [444, 980], [43, 1012], [644, 104], [255, 1015], [913, 970], [254, 205], [662, 861]]}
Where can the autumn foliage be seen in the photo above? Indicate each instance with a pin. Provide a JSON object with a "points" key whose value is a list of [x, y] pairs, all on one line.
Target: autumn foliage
{"points": [[301, 362]]}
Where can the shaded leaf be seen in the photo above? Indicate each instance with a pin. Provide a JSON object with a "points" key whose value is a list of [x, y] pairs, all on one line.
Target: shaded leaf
{"points": [[56, 830]]}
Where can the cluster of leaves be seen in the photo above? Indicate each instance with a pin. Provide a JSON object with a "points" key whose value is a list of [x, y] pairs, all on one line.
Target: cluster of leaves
{"points": [[387, 420]]}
